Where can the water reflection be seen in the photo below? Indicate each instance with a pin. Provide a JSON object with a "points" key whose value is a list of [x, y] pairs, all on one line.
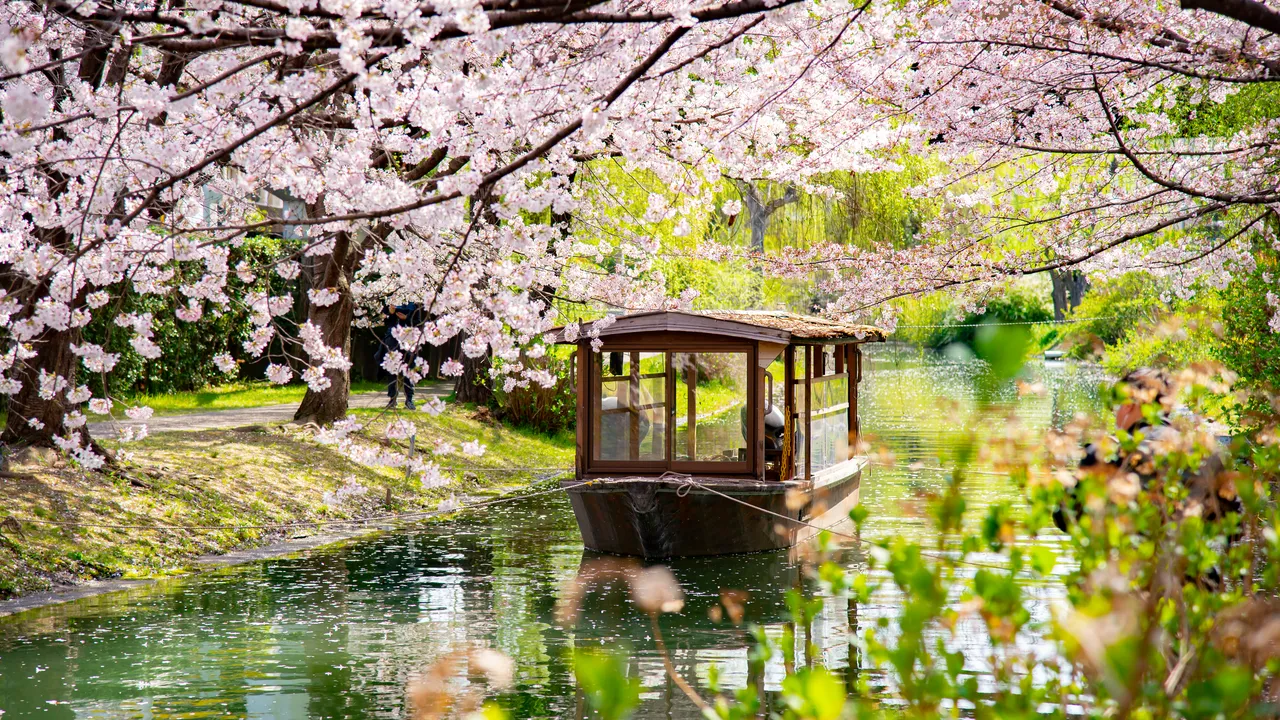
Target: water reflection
{"points": [[338, 632]]}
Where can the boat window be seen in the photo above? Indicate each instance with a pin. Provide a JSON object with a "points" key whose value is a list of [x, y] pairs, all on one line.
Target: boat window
{"points": [[631, 422], [829, 405], [710, 406]]}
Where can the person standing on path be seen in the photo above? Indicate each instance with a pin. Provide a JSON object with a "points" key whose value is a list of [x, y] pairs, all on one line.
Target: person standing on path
{"points": [[398, 315]]}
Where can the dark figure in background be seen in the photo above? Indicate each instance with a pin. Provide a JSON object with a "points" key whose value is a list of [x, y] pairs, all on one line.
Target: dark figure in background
{"points": [[397, 315], [1206, 497]]}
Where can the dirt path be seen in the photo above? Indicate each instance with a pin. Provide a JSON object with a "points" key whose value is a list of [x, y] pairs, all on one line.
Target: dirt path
{"points": [[237, 417]]}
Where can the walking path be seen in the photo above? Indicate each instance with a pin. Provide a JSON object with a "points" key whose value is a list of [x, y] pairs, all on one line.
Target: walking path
{"points": [[237, 417]]}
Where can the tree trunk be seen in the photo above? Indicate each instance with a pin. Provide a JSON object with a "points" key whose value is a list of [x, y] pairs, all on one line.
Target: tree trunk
{"points": [[473, 385], [338, 270], [1069, 287], [759, 211], [54, 356], [53, 350]]}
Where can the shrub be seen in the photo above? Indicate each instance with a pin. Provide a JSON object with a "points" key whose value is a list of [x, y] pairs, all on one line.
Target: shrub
{"points": [[1249, 346], [548, 410], [1015, 306], [1117, 306], [188, 348], [1181, 339]]}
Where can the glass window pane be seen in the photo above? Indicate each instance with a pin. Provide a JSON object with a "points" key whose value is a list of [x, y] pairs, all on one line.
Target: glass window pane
{"points": [[630, 424], [829, 398], [710, 403]]}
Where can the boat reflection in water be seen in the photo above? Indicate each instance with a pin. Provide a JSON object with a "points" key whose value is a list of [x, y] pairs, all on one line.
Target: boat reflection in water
{"points": [[724, 600]]}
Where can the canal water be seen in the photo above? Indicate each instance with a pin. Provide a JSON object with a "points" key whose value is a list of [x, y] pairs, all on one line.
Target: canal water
{"points": [[340, 632]]}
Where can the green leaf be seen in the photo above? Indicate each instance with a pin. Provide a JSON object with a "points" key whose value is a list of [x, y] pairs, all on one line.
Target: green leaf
{"points": [[604, 681], [858, 514], [1043, 559], [814, 694]]}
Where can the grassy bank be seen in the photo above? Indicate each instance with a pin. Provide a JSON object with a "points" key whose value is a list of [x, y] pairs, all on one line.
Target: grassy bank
{"points": [[248, 476], [232, 395]]}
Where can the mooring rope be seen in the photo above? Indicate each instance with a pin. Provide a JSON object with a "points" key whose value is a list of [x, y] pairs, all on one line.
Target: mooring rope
{"points": [[684, 481], [687, 481]]}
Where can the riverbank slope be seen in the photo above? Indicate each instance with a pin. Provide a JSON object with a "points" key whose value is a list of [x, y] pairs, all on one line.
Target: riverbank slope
{"points": [[254, 475]]}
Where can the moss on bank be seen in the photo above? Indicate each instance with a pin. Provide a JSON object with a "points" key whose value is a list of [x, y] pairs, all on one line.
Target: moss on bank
{"points": [[247, 476]]}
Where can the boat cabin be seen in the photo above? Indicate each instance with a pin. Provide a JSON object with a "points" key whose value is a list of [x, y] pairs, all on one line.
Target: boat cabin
{"points": [[760, 402]]}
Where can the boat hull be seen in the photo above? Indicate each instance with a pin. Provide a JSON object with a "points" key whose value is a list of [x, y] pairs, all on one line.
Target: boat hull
{"points": [[668, 517]]}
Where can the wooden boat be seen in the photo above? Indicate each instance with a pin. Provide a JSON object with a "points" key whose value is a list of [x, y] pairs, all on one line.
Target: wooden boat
{"points": [[715, 432]]}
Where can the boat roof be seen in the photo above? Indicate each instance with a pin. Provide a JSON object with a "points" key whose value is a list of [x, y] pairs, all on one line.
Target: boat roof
{"points": [[776, 326]]}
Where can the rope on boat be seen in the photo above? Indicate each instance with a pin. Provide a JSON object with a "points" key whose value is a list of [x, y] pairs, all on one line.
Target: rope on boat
{"points": [[687, 481]]}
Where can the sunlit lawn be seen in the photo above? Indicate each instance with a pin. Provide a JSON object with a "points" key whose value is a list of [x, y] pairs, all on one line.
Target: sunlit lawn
{"points": [[232, 395]]}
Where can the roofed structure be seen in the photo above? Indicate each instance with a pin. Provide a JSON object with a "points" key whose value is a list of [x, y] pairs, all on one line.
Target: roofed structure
{"points": [[776, 326]]}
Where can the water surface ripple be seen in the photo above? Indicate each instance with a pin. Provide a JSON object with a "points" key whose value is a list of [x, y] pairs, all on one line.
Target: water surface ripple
{"points": [[338, 632]]}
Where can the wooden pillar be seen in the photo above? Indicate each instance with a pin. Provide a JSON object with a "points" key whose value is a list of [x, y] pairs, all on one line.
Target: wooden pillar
{"points": [[854, 364], [787, 464], [634, 401], [691, 423], [808, 413], [669, 419], [757, 410], [585, 421]]}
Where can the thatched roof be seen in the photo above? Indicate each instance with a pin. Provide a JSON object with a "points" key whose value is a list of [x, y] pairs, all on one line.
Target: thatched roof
{"points": [[800, 326], [761, 325]]}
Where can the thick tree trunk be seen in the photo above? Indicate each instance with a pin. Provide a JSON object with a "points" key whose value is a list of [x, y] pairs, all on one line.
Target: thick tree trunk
{"points": [[759, 211], [1069, 287], [54, 356], [53, 348], [338, 270], [473, 385]]}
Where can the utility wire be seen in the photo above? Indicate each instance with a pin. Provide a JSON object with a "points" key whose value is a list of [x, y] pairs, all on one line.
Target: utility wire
{"points": [[1067, 321]]}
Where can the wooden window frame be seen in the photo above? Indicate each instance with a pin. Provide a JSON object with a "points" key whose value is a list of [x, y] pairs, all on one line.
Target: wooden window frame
{"points": [[590, 372]]}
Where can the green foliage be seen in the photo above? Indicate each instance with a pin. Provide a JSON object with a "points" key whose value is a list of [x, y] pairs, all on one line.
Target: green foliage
{"points": [[813, 694], [917, 313], [547, 410], [1249, 346], [1183, 339], [1016, 305], [604, 681], [1138, 324], [188, 348], [1119, 306], [1238, 111], [1003, 347], [860, 209]]}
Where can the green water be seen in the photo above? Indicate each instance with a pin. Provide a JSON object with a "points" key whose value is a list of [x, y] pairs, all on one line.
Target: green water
{"points": [[339, 632]]}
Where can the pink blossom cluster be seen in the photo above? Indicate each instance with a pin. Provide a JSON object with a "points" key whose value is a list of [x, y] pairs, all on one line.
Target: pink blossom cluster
{"points": [[414, 147]]}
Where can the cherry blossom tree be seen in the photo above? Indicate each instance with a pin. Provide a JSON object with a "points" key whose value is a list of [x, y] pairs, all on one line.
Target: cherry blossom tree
{"points": [[136, 137], [1075, 138]]}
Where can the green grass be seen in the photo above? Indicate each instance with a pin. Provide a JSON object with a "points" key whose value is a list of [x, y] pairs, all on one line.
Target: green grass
{"points": [[506, 447], [239, 477], [233, 395]]}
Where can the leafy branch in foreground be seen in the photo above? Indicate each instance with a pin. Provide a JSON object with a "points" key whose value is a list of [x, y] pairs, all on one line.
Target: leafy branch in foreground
{"points": [[1169, 572]]}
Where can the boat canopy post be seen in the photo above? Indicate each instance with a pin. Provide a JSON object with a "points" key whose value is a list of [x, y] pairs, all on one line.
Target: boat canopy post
{"points": [[790, 416]]}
